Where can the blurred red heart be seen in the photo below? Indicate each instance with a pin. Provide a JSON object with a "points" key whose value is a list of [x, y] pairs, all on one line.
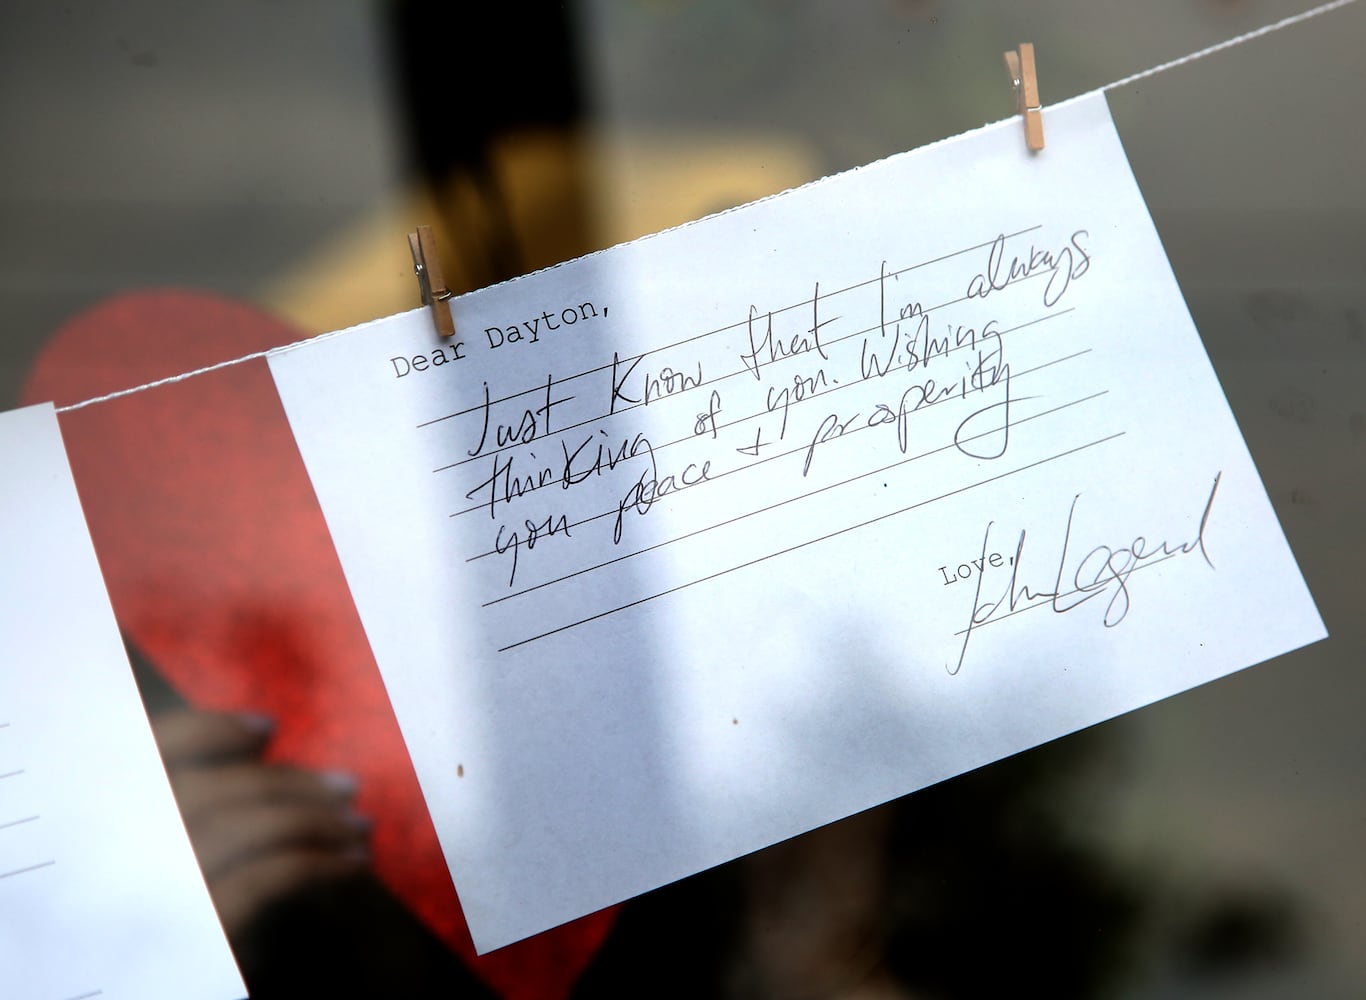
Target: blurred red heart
{"points": [[221, 570]]}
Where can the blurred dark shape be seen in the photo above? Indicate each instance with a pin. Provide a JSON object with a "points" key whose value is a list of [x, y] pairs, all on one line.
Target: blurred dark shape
{"points": [[468, 72], [1243, 930], [991, 892], [988, 892], [467, 75], [350, 939]]}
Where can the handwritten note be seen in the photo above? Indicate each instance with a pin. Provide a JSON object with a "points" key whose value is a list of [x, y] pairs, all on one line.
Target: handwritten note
{"points": [[704, 541], [100, 894]]}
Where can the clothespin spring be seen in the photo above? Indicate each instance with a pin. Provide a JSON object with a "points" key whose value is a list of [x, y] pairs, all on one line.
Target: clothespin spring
{"points": [[1025, 83], [430, 281]]}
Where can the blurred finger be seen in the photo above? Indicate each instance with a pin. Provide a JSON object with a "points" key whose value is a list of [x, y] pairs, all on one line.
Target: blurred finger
{"points": [[235, 836], [189, 736], [202, 790]]}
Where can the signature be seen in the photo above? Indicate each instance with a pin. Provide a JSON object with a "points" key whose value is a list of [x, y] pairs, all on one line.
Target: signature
{"points": [[1103, 572]]}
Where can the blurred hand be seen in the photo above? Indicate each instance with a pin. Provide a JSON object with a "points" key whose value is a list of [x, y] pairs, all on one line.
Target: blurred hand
{"points": [[260, 831]]}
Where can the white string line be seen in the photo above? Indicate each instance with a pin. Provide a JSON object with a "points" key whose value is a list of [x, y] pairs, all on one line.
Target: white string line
{"points": [[1229, 43], [171, 379], [1284, 22]]}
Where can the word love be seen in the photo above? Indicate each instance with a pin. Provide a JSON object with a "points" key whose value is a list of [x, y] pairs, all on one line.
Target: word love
{"points": [[965, 571]]}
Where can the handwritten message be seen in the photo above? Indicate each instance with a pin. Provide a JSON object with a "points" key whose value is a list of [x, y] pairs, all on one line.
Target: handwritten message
{"points": [[800, 403], [701, 542]]}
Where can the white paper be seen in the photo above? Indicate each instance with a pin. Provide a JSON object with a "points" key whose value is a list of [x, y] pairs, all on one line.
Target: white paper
{"points": [[100, 894], [642, 668]]}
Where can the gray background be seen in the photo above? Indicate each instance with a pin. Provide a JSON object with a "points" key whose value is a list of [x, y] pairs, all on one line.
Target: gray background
{"points": [[151, 143]]}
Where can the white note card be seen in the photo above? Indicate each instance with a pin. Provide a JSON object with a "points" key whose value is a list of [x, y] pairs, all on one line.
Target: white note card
{"points": [[693, 545], [100, 894]]}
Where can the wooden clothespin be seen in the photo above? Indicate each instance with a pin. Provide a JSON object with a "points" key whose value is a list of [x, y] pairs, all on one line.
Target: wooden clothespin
{"points": [[427, 264], [1020, 66]]}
